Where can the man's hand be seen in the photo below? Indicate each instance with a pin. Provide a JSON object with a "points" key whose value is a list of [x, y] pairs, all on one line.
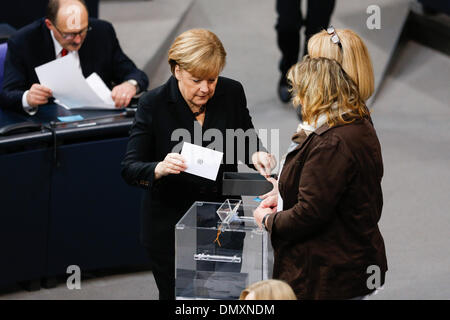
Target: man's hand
{"points": [[38, 95], [122, 94]]}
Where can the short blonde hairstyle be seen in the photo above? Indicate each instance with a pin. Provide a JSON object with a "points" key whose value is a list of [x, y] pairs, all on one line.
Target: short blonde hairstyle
{"points": [[199, 52], [269, 290], [321, 86], [353, 57]]}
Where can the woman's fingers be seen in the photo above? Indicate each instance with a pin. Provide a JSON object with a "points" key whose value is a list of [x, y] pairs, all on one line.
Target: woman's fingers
{"points": [[173, 163], [270, 202], [274, 191], [264, 162], [176, 162]]}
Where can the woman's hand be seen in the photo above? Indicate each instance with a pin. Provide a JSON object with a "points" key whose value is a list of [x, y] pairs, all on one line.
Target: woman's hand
{"points": [[259, 214], [268, 206], [264, 162], [270, 202], [274, 191], [173, 163]]}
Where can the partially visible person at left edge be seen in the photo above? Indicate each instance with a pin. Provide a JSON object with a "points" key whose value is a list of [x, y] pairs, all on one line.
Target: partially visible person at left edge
{"points": [[66, 29]]}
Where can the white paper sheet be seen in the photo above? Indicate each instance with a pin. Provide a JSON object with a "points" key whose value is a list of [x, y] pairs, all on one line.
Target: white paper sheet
{"points": [[69, 87], [201, 161], [96, 83]]}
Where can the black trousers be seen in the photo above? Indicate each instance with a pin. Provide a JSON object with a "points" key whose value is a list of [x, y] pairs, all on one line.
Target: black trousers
{"points": [[289, 23], [163, 268]]}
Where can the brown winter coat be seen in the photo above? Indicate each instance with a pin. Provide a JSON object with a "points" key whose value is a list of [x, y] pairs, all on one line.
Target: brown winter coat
{"points": [[327, 235]]}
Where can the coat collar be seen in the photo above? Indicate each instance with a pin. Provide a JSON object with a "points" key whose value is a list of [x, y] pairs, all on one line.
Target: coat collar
{"points": [[175, 94], [47, 42], [301, 138], [56, 45], [184, 113], [85, 53], [174, 91], [325, 127]]}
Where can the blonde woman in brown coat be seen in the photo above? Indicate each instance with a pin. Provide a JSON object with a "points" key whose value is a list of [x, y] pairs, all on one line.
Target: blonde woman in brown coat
{"points": [[323, 223]]}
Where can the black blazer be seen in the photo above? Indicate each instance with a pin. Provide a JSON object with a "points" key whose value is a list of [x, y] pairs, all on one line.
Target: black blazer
{"points": [[160, 112], [33, 46]]}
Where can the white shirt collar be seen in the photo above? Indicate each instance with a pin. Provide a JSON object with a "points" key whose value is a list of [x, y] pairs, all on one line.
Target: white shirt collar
{"points": [[58, 48], [321, 120], [311, 127]]}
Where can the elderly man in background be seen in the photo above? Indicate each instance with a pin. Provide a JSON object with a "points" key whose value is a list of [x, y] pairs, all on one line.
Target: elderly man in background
{"points": [[67, 30]]}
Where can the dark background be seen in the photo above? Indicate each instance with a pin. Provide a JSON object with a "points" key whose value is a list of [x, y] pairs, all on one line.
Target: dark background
{"points": [[19, 13]]}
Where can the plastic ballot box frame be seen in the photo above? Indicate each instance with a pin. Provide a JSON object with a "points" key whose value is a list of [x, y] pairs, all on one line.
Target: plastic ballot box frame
{"points": [[219, 251]]}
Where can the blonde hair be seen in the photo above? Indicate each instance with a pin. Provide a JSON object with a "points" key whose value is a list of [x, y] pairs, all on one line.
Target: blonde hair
{"points": [[199, 52], [353, 57], [321, 86], [269, 290]]}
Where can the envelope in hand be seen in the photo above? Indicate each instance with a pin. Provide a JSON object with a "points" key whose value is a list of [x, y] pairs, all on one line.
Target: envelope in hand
{"points": [[201, 161]]}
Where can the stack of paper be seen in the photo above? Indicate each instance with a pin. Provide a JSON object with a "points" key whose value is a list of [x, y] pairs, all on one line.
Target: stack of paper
{"points": [[64, 77]]}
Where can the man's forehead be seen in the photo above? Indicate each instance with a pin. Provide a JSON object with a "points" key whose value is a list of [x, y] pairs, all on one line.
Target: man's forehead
{"points": [[72, 16]]}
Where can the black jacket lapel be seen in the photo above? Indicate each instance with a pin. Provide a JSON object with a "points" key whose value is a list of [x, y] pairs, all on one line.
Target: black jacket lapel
{"points": [[179, 108], [215, 107], [48, 48]]}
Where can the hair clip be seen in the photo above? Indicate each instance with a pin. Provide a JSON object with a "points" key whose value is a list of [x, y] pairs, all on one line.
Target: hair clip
{"points": [[334, 37]]}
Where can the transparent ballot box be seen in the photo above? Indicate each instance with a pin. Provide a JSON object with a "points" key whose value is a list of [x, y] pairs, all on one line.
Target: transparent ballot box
{"points": [[219, 251]]}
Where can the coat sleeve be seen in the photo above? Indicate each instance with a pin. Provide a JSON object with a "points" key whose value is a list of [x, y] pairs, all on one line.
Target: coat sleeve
{"points": [[325, 176], [138, 166], [14, 79], [123, 67]]}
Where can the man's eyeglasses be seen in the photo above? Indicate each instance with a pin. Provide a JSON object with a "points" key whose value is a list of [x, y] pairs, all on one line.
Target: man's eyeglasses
{"points": [[334, 37], [72, 35]]}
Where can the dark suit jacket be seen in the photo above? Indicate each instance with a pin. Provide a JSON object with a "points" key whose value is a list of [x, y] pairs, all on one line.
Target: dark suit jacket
{"points": [[327, 235], [161, 112], [33, 46]]}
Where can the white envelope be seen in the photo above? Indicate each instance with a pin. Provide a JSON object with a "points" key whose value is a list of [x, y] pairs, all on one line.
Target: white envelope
{"points": [[201, 161]]}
